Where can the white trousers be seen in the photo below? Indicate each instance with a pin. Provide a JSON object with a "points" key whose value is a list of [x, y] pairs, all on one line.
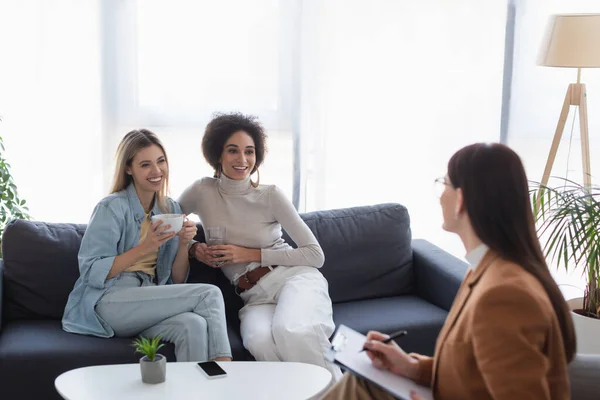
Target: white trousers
{"points": [[288, 317]]}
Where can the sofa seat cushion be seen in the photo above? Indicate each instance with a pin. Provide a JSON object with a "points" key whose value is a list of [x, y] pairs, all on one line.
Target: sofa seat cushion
{"points": [[584, 371], [44, 342], [34, 353], [421, 319], [237, 346]]}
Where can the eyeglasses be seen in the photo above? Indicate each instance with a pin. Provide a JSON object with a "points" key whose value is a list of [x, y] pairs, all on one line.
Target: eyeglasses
{"points": [[439, 185]]}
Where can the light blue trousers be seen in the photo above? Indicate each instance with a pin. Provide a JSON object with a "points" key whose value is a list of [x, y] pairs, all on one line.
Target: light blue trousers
{"points": [[191, 316]]}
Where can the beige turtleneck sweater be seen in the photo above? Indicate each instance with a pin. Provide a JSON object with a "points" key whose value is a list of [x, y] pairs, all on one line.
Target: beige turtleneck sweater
{"points": [[253, 218]]}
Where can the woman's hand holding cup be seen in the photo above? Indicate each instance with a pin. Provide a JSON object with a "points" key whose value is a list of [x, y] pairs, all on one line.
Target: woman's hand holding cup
{"points": [[200, 252], [156, 237], [187, 232]]}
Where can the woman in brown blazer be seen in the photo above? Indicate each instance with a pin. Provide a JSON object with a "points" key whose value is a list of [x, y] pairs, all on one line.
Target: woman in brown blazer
{"points": [[509, 334]]}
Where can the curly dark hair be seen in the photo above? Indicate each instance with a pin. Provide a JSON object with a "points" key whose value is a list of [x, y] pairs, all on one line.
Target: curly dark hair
{"points": [[222, 126]]}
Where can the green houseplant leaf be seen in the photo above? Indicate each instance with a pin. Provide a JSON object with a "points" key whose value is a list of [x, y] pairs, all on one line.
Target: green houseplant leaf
{"points": [[568, 219], [11, 205], [148, 347]]}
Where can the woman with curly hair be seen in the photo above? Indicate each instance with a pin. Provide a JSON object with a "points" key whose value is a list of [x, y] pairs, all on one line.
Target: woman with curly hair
{"points": [[287, 314]]}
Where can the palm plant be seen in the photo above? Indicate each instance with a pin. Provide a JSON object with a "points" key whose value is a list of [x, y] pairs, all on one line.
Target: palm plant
{"points": [[11, 206], [568, 218], [147, 347]]}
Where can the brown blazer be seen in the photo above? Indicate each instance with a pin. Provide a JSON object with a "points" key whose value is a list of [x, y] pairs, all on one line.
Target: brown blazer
{"points": [[501, 340]]}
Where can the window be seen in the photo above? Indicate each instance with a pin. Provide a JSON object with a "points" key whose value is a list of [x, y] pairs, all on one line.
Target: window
{"points": [[171, 65]]}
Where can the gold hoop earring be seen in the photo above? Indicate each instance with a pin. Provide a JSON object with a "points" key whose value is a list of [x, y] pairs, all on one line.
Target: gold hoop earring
{"points": [[255, 184]]}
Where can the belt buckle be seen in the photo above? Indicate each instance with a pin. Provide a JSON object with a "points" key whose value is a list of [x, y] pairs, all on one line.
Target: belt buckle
{"points": [[237, 288]]}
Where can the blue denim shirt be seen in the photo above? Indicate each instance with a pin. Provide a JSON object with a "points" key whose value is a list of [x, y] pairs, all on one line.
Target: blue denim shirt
{"points": [[114, 228]]}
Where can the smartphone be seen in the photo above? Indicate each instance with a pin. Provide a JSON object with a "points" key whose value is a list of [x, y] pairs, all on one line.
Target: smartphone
{"points": [[212, 370]]}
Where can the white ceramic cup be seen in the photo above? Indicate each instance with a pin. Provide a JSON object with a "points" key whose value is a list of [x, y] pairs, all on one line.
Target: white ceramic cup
{"points": [[175, 220]]}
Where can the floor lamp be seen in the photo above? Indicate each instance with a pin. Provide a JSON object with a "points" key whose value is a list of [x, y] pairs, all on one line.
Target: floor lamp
{"points": [[572, 41]]}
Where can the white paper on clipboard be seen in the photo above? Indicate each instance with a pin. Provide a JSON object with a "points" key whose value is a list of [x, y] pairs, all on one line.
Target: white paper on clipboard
{"points": [[345, 351]]}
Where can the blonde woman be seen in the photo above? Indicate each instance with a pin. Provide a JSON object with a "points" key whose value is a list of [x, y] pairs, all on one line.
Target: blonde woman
{"points": [[132, 272]]}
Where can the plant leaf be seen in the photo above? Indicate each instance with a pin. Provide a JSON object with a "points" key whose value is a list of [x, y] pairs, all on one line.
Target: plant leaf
{"points": [[568, 219]]}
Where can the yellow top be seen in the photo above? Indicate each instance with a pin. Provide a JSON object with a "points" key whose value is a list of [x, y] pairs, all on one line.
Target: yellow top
{"points": [[148, 263]]}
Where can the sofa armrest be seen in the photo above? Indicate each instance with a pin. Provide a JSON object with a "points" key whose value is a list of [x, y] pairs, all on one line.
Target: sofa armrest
{"points": [[1, 289], [438, 274], [584, 371]]}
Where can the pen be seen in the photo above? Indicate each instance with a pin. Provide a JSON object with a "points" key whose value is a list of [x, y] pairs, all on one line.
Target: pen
{"points": [[393, 336]]}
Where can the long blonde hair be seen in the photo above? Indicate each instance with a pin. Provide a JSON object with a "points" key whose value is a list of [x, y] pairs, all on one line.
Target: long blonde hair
{"points": [[130, 145]]}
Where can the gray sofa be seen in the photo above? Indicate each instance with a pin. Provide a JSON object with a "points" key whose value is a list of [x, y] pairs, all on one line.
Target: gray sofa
{"points": [[379, 279]]}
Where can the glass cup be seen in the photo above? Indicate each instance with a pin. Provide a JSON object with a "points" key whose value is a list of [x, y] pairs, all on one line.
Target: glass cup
{"points": [[215, 235]]}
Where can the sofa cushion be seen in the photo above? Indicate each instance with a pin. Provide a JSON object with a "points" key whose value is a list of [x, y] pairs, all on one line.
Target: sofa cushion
{"points": [[44, 342], [34, 353], [367, 255], [584, 371], [40, 267], [422, 320], [367, 250]]}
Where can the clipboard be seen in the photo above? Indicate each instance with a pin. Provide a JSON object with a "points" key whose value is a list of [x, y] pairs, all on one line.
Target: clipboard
{"points": [[345, 352]]}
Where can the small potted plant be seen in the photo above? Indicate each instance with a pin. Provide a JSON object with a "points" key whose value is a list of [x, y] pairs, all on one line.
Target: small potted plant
{"points": [[569, 225], [152, 365]]}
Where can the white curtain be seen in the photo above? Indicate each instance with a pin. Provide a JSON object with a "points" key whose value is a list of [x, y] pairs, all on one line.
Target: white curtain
{"points": [[50, 105], [77, 75], [181, 61], [380, 93], [391, 89]]}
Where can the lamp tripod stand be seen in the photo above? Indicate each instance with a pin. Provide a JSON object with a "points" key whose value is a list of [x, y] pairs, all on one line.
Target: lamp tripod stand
{"points": [[576, 96]]}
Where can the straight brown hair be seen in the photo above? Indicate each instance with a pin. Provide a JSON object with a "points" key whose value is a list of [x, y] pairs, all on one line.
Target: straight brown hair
{"points": [[496, 197]]}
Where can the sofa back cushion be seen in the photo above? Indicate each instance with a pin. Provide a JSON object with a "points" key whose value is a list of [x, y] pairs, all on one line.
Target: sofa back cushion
{"points": [[367, 255], [367, 250], [40, 268]]}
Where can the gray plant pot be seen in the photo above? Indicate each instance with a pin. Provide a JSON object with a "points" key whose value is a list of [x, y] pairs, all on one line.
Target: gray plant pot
{"points": [[154, 371]]}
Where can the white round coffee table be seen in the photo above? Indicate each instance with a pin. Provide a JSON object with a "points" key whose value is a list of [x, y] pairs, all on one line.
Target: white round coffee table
{"points": [[245, 380]]}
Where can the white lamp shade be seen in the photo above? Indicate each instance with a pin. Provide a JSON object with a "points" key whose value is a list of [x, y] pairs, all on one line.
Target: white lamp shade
{"points": [[571, 40]]}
